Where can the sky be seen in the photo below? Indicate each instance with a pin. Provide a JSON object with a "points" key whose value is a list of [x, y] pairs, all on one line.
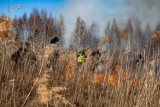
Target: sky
{"points": [[99, 11], [28, 5]]}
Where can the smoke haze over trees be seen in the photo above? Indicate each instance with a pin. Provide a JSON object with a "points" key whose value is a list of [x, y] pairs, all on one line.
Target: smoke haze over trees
{"points": [[39, 27]]}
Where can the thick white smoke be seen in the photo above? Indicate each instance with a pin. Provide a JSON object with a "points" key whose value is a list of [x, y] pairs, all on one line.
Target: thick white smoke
{"points": [[147, 11], [102, 11]]}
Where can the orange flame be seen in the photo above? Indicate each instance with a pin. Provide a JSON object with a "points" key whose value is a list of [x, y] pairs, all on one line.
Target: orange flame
{"points": [[111, 80], [70, 70], [96, 79], [69, 75], [99, 78]]}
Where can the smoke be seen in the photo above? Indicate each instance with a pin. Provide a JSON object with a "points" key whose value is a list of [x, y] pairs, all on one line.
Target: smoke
{"points": [[147, 11], [102, 11], [75, 8], [99, 11]]}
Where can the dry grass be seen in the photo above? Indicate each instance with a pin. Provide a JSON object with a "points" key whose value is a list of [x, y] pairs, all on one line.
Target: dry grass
{"points": [[154, 37], [68, 84], [5, 26]]}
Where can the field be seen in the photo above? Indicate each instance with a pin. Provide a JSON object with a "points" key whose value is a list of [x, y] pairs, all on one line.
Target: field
{"points": [[68, 84]]}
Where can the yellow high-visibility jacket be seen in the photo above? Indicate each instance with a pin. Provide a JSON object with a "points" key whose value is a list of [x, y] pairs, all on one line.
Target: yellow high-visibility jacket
{"points": [[80, 58]]}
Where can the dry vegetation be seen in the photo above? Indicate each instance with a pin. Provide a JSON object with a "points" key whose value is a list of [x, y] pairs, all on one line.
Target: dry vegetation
{"points": [[57, 80], [37, 85]]}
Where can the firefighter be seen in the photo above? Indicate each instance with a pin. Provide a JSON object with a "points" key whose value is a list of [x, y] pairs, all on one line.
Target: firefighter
{"points": [[139, 60], [51, 53], [80, 62], [23, 55], [81, 57], [95, 55]]}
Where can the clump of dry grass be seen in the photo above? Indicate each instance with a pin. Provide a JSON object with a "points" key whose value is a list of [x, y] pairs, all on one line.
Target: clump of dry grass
{"points": [[5, 27], [104, 40], [48, 50], [154, 37], [44, 94], [123, 35], [47, 94]]}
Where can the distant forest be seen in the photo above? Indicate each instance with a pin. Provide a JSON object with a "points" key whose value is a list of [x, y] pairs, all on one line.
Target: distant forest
{"points": [[40, 27]]}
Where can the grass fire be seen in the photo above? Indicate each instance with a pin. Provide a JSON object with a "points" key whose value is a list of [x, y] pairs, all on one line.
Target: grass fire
{"points": [[41, 65]]}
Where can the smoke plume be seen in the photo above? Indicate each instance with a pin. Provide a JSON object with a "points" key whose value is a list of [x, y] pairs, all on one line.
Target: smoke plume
{"points": [[102, 11]]}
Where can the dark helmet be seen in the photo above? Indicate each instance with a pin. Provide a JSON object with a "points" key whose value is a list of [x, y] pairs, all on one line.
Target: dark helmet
{"points": [[54, 40]]}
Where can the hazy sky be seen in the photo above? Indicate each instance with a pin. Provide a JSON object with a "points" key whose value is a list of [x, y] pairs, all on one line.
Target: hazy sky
{"points": [[100, 11]]}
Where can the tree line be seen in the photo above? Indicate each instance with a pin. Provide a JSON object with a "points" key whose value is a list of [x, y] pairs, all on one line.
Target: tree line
{"points": [[40, 27]]}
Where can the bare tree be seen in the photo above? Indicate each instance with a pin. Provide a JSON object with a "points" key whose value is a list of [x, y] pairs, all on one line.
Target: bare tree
{"points": [[148, 33], [61, 30], [128, 32], [138, 35], [79, 34], [50, 28], [92, 39], [108, 35], [35, 25], [44, 17], [21, 27], [115, 35]]}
